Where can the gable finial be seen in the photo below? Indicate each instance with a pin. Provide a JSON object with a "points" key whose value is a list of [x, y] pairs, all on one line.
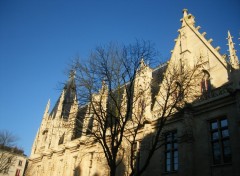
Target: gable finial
{"points": [[185, 12]]}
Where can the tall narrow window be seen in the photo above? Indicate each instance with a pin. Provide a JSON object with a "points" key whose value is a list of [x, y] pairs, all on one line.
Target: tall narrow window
{"points": [[44, 137], [17, 172], [220, 141], [205, 83], [171, 151]]}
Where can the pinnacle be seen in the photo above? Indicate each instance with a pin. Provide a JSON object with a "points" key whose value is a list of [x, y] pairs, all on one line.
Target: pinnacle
{"points": [[185, 12], [72, 73], [142, 63], [232, 52]]}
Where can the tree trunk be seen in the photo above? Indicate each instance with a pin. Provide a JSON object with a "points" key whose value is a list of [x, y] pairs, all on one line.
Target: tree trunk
{"points": [[112, 170]]}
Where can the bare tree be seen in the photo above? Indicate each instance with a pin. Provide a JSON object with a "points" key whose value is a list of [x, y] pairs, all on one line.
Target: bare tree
{"points": [[7, 138], [115, 105], [7, 150], [106, 84]]}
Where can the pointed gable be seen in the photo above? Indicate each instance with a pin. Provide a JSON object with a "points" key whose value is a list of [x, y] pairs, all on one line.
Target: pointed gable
{"points": [[191, 50], [192, 47]]}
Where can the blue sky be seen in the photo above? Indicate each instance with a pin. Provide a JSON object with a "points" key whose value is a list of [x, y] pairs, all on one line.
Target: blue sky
{"points": [[38, 39]]}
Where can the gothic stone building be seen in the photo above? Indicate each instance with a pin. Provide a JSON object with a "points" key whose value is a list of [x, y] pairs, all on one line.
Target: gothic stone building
{"points": [[209, 130]]}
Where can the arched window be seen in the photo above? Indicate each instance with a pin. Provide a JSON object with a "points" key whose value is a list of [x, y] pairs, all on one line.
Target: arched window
{"points": [[205, 82], [45, 134]]}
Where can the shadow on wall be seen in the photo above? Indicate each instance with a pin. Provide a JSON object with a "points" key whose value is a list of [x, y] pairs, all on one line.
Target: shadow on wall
{"points": [[77, 172], [173, 136], [143, 151], [121, 168]]}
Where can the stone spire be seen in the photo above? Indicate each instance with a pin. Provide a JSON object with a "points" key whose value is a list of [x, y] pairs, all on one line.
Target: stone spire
{"points": [[72, 74], [232, 53], [67, 98]]}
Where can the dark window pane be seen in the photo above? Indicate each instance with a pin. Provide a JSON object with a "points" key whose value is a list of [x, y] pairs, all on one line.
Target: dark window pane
{"points": [[171, 152], [216, 153], [214, 125], [175, 154], [168, 156], [216, 146], [168, 168], [220, 141], [175, 160], [224, 123], [217, 157], [175, 166], [225, 133], [227, 155], [226, 143], [215, 135], [226, 151], [169, 146], [168, 161]]}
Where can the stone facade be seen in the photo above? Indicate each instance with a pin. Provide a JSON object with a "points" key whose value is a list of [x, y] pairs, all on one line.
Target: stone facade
{"points": [[201, 140]]}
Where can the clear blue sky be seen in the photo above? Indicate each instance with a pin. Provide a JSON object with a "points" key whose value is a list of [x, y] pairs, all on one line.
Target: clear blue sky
{"points": [[38, 39]]}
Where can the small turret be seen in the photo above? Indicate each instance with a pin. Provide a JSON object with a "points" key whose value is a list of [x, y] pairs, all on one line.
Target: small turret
{"points": [[142, 88], [232, 53]]}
